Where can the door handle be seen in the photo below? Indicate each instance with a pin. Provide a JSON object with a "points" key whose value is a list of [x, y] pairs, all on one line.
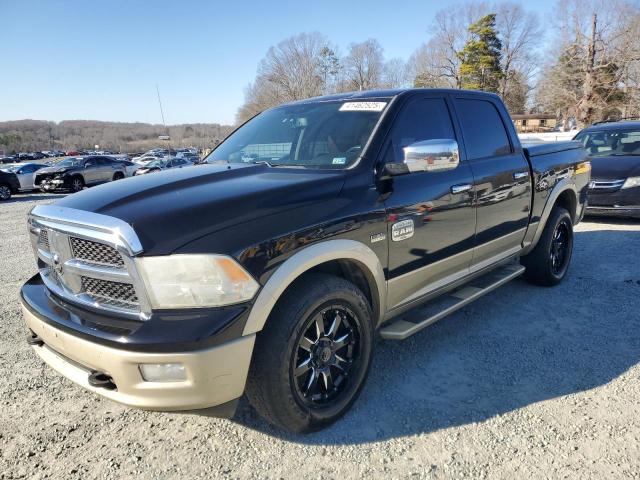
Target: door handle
{"points": [[519, 175], [463, 187]]}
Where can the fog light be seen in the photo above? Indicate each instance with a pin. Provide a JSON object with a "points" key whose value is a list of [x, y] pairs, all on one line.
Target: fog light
{"points": [[163, 372]]}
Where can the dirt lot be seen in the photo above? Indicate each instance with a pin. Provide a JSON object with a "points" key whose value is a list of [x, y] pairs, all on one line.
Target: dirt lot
{"points": [[526, 383]]}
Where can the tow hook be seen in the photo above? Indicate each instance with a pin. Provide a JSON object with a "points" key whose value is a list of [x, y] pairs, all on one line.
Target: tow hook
{"points": [[101, 380], [34, 340]]}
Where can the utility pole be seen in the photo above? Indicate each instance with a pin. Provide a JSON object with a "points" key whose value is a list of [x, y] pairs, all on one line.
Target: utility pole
{"points": [[162, 115]]}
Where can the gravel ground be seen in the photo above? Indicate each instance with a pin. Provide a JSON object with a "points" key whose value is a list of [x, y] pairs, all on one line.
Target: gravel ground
{"points": [[525, 383]]}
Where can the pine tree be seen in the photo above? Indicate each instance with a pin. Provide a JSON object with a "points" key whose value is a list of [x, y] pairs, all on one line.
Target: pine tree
{"points": [[329, 67], [480, 57]]}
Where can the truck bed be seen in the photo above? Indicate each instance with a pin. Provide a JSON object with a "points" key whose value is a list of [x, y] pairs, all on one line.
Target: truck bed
{"points": [[533, 149]]}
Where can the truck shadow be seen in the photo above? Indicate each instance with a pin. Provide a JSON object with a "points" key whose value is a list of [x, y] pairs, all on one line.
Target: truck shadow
{"points": [[517, 346]]}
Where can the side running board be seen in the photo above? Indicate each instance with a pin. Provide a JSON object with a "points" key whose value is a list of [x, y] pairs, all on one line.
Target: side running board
{"points": [[420, 317]]}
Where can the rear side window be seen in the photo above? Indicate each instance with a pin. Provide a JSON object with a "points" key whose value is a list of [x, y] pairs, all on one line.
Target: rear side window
{"points": [[482, 128], [423, 119]]}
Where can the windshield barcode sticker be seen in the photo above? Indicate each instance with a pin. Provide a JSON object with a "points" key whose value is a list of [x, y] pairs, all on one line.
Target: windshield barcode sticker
{"points": [[363, 106]]}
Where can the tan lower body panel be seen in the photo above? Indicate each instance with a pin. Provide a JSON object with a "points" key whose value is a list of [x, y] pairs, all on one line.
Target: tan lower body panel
{"points": [[214, 376]]}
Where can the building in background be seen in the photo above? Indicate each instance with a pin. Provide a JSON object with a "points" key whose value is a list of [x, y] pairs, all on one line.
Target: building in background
{"points": [[534, 122]]}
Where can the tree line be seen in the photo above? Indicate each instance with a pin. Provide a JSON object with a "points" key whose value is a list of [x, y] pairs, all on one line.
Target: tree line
{"points": [[37, 135], [582, 64]]}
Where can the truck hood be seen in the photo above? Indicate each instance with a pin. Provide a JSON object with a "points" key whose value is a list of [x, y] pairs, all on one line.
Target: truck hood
{"points": [[174, 207], [615, 167]]}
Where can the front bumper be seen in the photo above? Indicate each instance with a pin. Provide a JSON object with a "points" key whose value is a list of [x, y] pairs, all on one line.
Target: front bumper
{"points": [[215, 376], [614, 211], [48, 185], [624, 202]]}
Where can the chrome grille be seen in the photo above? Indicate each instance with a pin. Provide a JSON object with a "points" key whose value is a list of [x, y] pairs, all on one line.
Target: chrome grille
{"points": [[607, 185], [112, 292], [88, 259], [95, 252]]}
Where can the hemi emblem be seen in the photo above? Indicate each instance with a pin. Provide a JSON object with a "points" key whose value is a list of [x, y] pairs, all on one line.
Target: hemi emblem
{"points": [[402, 230], [378, 237]]}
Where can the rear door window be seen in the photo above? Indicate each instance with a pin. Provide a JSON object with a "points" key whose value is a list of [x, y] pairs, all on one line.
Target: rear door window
{"points": [[482, 129]]}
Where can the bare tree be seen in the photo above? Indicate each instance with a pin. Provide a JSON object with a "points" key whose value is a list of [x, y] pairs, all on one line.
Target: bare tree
{"points": [[363, 66], [292, 70], [394, 74], [595, 75], [520, 34]]}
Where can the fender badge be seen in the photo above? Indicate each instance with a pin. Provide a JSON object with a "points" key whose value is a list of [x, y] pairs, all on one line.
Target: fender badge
{"points": [[378, 237], [402, 230]]}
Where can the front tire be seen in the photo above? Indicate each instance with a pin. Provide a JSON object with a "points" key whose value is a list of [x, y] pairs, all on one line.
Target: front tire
{"points": [[77, 184], [313, 356], [548, 262], [118, 176]]}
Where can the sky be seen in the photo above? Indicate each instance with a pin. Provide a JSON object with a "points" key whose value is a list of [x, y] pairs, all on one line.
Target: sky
{"points": [[102, 60]]}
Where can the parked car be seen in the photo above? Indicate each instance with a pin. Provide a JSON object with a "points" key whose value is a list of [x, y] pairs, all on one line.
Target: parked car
{"points": [[73, 174], [316, 223], [25, 172], [614, 151], [146, 158], [159, 165], [9, 159], [129, 166], [73, 153], [189, 156], [9, 185]]}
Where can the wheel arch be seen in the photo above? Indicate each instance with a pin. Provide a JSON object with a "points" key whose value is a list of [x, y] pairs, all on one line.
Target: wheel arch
{"points": [[347, 258], [565, 194]]}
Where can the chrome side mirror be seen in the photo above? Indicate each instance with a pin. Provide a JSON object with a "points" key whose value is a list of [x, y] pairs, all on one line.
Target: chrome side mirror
{"points": [[435, 155]]}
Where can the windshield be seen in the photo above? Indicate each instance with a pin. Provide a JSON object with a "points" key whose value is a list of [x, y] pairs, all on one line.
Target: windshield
{"points": [[604, 143], [69, 162], [312, 135]]}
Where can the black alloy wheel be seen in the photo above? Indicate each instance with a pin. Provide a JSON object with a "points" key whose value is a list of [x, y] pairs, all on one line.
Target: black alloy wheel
{"points": [[311, 359], [559, 248], [325, 355], [547, 264]]}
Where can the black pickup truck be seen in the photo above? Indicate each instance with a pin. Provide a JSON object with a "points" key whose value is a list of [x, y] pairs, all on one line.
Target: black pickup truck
{"points": [[313, 227]]}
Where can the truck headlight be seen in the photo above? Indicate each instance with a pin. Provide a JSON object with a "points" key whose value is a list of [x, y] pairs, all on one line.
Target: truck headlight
{"points": [[631, 182], [193, 281]]}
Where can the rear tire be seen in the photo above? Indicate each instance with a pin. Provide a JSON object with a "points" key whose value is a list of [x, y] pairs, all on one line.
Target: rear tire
{"points": [[118, 176], [313, 356], [548, 262], [5, 192]]}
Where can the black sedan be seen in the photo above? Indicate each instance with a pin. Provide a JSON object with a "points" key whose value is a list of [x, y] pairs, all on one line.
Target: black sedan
{"points": [[9, 184], [614, 151]]}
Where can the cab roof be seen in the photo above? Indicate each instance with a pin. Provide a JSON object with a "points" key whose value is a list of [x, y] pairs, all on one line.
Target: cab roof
{"points": [[388, 93]]}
